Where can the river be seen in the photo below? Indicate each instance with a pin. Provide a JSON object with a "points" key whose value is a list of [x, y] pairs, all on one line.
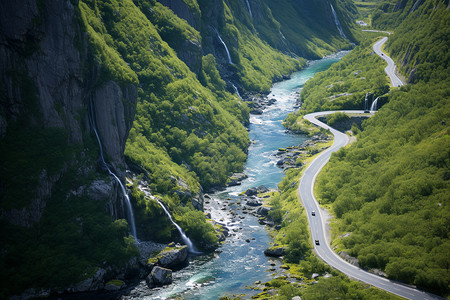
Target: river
{"points": [[240, 261]]}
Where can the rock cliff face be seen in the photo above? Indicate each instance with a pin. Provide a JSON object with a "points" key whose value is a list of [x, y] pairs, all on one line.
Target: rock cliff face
{"points": [[45, 80]]}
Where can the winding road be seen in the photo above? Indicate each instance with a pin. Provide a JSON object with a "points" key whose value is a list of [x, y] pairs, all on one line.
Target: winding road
{"points": [[317, 223], [390, 69]]}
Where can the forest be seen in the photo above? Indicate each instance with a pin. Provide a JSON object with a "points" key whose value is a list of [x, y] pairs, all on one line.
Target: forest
{"points": [[389, 190]]}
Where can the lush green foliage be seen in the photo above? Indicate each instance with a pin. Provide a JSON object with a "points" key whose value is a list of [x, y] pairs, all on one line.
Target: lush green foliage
{"points": [[303, 29], [427, 56], [295, 237], [303, 32], [344, 85], [74, 236], [336, 117], [155, 225], [175, 113], [390, 189], [257, 64]]}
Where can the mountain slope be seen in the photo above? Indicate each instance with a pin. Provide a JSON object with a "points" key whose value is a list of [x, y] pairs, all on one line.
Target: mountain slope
{"points": [[156, 89], [389, 190]]}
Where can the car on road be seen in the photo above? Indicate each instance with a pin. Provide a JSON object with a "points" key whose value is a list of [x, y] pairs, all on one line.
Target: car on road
{"points": [[317, 242], [313, 213]]}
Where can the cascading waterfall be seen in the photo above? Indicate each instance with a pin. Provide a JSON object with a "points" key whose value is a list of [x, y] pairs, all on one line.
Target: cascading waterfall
{"points": [[236, 90], [249, 9], [366, 102], [226, 48], [374, 104], [186, 240], [127, 199], [336, 21]]}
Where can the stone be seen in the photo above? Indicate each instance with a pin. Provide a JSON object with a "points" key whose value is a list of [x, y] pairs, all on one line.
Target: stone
{"points": [[275, 251], [114, 285], [296, 298], [149, 281], [263, 210], [161, 276], [173, 256], [253, 202], [262, 189], [91, 284], [251, 192]]}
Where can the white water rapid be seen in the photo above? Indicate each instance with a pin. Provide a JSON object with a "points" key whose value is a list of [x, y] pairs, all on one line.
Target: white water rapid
{"points": [[374, 104], [226, 48], [127, 199], [186, 240], [249, 9], [336, 21]]}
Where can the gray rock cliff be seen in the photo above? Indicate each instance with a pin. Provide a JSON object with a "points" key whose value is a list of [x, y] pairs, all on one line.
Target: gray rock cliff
{"points": [[43, 67]]}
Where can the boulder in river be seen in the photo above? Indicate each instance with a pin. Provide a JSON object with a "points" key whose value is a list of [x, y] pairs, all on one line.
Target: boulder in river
{"points": [[161, 276], [170, 257], [275, 251], [253, 202], [251, 192], [114, 285], [262, 189], [263, 210]]}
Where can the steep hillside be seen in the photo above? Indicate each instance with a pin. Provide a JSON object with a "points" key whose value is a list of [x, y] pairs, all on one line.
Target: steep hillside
{"points": [[153, 80], [389, 190]]}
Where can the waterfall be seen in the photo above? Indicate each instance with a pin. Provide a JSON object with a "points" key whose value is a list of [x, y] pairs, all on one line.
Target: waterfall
{"points": [[186, 240], [366, 102], [249, 9], [336, 21], [226, 48], [127, 199], [236, 90], [374, 104]]}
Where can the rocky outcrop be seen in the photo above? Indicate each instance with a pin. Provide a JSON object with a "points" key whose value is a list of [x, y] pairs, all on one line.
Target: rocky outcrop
{"points": [[182, 10], [236, 179], [170, 257], [263, 211], [346, 124], [159, 277], [94, 283], [46, 82], [275, 251]]}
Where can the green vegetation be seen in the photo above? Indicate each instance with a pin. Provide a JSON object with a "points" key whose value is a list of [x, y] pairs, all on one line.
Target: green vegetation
{"points": [[257, 64], [175, 113], [426, 56], [389, 189], [336, 118], [53, 252], [303, 33], [344, 85], [294, 236], [366, 9]]}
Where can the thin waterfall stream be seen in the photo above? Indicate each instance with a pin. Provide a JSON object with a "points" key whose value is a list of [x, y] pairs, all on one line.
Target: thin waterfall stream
{"points": [[186, 240], [373, 107], [125, 194], [338, 24], [249, 9], [225, 46]]}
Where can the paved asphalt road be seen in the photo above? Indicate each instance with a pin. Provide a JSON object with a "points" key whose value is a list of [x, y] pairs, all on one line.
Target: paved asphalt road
{"points": [[390, 69], [317, 223]]}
